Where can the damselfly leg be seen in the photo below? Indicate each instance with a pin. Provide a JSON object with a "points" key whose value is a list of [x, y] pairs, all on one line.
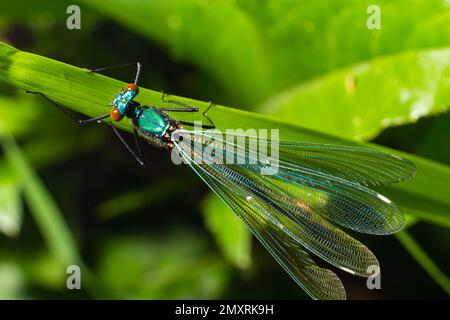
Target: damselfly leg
{"points": [[140, 154], [187, 108], [136, 77], [59, 106]]}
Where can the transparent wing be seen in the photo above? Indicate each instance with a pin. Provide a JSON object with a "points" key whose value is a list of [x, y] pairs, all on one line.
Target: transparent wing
{"points": [[293, 186], [318, 282], [360, 165], [347, 204], [364, 166], [304, 227]]}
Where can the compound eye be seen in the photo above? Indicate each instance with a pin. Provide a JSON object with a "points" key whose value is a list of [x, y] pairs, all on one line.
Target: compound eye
{"points": [[115, 114], [131, 87]]}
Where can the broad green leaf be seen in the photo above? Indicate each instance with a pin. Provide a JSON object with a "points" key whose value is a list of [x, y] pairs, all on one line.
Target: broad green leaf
{"points": [[237, 59], [231, 234], [255, 48], [18, 115], [90, 94], [316, 37], [361, 101]]}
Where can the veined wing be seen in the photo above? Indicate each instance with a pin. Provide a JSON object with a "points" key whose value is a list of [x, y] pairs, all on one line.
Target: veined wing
{"points": [[296, 187], [364, 166], [347, 204], [360, 165], [318, 282], [306, 228]]}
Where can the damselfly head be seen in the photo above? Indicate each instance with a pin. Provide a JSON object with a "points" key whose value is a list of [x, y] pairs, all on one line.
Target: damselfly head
{"points": [[132, 87], [115, 114]]}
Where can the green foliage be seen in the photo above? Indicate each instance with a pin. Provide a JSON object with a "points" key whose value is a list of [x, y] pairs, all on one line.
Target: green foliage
{"points": [[407, 86], [231, 234], [312, 66], [162, 269], [255, 48], [137, 199], [45, 211]]}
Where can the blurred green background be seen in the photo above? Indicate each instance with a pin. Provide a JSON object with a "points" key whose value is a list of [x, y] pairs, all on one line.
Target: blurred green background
{"points": [[157, 233]]}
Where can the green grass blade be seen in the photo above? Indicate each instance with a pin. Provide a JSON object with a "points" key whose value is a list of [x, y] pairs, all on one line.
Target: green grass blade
{"points": [[138, 199], [49, 219], [424, 260], [46, 213], [91, 94], [10, 202], [279, 43]]}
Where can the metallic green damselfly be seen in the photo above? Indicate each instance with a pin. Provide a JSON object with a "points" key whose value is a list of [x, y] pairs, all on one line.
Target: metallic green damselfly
{"points": [[316, 189]]}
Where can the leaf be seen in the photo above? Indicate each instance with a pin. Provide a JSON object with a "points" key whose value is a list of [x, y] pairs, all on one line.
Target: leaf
{"points": [[90, 94], [361, 101], [10, 204], [255, 48], [315, 37], [230, 233]]}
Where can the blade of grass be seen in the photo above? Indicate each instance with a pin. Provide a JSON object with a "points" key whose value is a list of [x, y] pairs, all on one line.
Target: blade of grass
{"points": [[10, 205], [91, 94], [43, 208], [49, 219], [411, 245]]}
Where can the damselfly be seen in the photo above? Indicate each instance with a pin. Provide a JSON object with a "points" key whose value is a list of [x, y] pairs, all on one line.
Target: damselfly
{"points": [[315, 189]]}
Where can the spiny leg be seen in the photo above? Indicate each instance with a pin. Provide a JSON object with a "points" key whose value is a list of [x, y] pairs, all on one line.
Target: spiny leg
{"points": [[64, 109], [205, 114], [140, 157], [188, 108], [97, 119], [137, 64], [56, 104]]}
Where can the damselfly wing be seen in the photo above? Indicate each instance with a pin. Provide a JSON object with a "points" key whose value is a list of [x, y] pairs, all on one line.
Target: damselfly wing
{"points": [[316, 187]]}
